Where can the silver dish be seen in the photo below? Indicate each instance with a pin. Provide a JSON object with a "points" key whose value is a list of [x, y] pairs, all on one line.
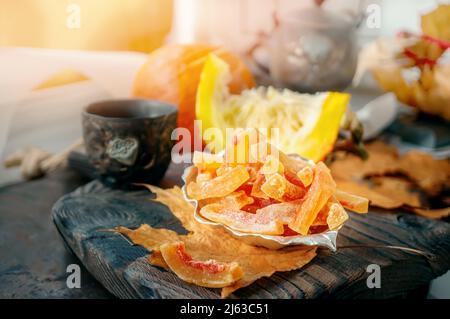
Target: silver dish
{"points": [[325, 239]]}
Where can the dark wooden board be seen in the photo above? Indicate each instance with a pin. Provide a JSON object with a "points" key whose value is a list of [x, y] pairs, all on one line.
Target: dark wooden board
{"points": [[122, 268]]}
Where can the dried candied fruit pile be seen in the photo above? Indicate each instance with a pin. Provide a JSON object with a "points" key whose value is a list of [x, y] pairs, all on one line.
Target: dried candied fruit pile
{"points": [[253, 187]]}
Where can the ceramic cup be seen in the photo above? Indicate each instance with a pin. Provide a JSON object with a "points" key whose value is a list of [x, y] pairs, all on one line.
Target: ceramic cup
{"points": [[129, 141]]}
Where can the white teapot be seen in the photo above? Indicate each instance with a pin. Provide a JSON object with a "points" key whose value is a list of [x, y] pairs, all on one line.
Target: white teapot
{"points": [[312, 50]]}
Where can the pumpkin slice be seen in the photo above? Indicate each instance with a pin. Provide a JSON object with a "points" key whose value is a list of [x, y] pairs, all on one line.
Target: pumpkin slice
{"points": [[209, 273], [306, 124], [172, 73]]}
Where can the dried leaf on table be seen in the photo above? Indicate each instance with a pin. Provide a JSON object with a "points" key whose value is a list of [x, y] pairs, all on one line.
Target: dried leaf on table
{"points": [[390, 180], [387, 201], [382, 159], [398, 188], [206, 242], [431, 175], [433, 213], [156, 259]]}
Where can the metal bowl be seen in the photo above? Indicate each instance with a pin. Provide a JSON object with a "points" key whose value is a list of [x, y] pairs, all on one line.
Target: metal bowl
{"points": [[324, 239]]}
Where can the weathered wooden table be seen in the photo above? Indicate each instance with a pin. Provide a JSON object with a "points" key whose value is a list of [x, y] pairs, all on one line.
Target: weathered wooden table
{"points": [[33, 259]]}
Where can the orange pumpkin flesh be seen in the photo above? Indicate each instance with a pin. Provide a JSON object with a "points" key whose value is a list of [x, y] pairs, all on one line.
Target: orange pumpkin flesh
{"points": [[172, 73]]}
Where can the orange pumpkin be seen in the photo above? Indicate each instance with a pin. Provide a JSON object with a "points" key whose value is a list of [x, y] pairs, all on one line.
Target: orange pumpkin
{"points": [[172, 73]]}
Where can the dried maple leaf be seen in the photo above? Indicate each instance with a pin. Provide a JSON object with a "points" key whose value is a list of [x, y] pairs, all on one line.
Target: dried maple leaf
{"points": [[206, 242]]}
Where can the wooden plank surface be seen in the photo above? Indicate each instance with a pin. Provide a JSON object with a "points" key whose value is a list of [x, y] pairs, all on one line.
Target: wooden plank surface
{"points": [[122, 268]]}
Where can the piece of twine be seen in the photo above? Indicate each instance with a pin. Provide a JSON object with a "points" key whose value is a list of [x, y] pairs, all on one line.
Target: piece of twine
{"points": [[35, 162]]}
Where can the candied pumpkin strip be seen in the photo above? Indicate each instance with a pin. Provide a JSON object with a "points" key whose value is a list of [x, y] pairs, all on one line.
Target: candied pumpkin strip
{"points": [[284, 212], [256, 187], [332, 215], [243, 221], [238, 151], [293, 191], [235, 200], [336, 215], [223, 169], [274, 186], [261, 150], [204, 177], [219, 186], [321, 219], [306, 175], [278, 187], [352, 202], [207, 161], [291, 164], [272, 166], [320, 191], [249, 146]]}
